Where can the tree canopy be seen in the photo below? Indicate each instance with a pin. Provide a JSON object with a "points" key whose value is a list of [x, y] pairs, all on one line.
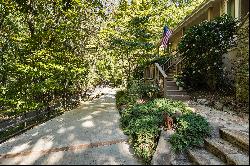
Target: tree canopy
{"points": [[55, 48]]}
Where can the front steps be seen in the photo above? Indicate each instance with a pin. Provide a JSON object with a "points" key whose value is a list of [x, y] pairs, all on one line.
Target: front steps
{"points": [[173, 91], [230, 149]]}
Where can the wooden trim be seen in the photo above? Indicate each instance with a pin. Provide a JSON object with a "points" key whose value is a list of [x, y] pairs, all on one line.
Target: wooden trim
{"points": [[160, 69]]}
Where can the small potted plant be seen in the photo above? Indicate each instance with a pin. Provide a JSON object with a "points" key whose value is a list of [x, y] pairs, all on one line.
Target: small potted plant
{"points": [[175, 77], [179, 83]]}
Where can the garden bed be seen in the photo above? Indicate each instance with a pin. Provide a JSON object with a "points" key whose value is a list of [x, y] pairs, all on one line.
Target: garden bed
{"points": [[142, 120]]}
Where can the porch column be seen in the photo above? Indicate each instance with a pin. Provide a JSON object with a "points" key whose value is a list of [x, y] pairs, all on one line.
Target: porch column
{"points": [[237, 9], [210, 14]]}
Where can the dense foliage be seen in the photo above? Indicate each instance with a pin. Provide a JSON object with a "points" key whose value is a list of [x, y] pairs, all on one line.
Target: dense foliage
{"points": [[142, 119], [44, 53], [137, 90], [203, 46], [191, 129], [50, 50], [132, 33], [143, 122]]}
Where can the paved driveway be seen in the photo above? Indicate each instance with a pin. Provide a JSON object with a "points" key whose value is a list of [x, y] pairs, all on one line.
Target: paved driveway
{"points": [[87, 135]]}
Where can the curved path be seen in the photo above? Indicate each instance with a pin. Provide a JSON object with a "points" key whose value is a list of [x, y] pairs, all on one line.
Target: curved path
{"points": [[88, 135]]}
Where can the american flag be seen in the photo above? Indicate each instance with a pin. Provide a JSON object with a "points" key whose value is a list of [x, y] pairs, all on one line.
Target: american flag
{"points": [[166, 35]]}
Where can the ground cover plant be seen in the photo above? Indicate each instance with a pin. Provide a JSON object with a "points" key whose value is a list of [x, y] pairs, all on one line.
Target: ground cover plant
{"points": [[142, 123]]}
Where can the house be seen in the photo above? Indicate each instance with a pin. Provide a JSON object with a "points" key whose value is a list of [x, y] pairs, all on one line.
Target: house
{"points": [[207, 11]]}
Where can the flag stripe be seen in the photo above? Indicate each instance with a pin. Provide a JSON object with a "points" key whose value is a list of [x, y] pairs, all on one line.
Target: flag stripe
{"points": [[166, 35]]}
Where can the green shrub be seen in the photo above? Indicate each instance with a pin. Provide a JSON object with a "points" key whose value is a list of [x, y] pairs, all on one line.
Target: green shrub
{"points": [[142, 124], [191, 130], [136, 90], [124, 98], [202, 47], [143, 90]]}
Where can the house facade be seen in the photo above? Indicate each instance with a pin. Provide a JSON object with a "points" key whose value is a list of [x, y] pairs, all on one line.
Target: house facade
{"points": [[208, 11]]}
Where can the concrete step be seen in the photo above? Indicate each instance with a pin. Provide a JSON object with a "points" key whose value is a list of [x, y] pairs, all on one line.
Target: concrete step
{"points": [[237, 138], [171, 73], [171, 83], [203, 157], [172, 87], [170, 78], [176, 92], [180, 162], [179, 97], [228, 153]]}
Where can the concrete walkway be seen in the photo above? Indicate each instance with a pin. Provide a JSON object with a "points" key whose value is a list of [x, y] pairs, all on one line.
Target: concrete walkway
{"points": [[88, 135]]}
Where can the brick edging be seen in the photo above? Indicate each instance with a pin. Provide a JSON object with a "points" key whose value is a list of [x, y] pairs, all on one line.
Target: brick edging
{"points": [[66, 148]]}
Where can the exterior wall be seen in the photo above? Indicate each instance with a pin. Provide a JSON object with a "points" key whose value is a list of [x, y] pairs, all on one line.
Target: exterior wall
{"points": [[228, 60], [175, 40], [216, 11]]}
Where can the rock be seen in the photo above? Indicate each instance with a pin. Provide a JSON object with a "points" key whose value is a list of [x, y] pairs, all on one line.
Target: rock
{"points": [[163, 154], [226, 109], [218, 105], [202, 101]]}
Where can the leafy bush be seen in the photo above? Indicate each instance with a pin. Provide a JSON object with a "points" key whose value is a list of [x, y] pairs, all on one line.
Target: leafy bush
{"points": [[143, 90], [202, 47], [136, 90], [142, 123], [191, 129]]}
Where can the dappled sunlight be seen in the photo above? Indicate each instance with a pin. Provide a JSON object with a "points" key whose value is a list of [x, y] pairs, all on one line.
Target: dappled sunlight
{"points": [[59, 140], [96, 112], [88, 124], [54, 158], [87, 118], [30, 159], [20, 148]]}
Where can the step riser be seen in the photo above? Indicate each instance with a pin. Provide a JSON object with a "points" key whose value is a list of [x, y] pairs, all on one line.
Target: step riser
{"points": [[220, 154], [171, 83], [235, 141], [176, 93], [182, 98], [193, 159], [203, 157], [215, 151], [172, 88]]}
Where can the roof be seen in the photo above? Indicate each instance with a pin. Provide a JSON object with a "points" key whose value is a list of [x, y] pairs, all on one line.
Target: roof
{"points": [[196, 12]]}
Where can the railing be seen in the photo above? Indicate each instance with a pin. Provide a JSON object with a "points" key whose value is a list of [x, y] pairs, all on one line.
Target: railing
{"points": [[157, 77], [156, 73], [161, 79]]}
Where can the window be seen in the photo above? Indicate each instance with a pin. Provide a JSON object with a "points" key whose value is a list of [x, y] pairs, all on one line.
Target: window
{"points": [[231, 8]]}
